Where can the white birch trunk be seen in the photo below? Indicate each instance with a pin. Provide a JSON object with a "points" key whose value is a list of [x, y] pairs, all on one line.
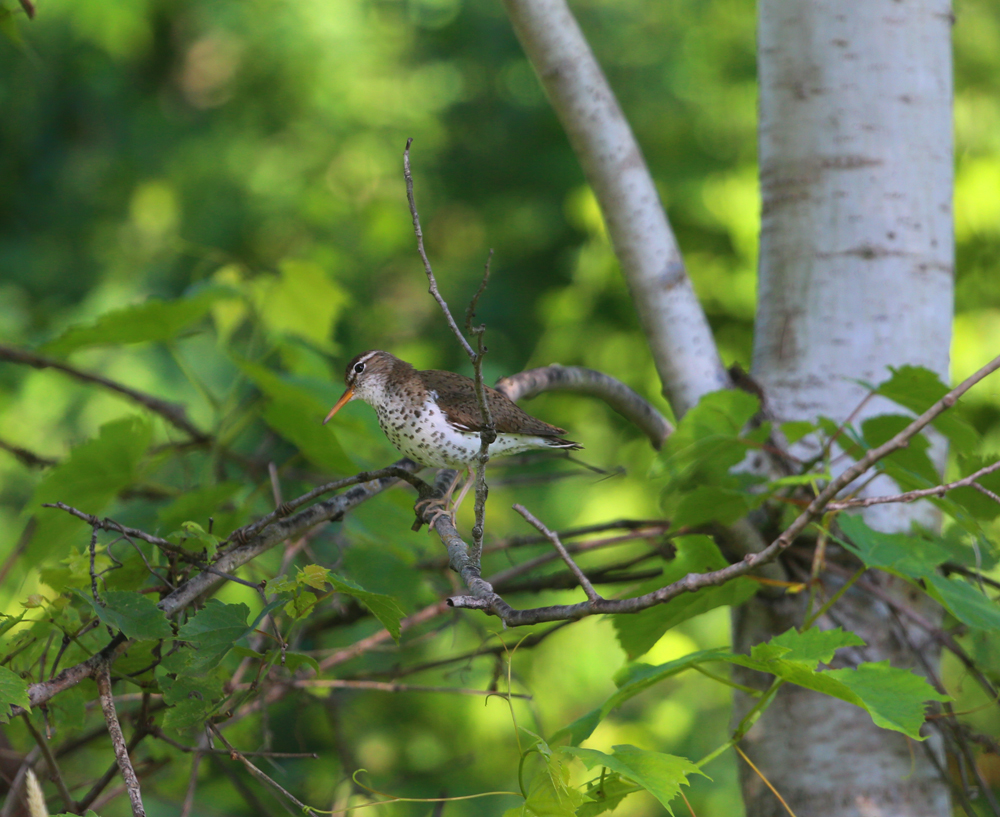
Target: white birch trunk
{"points": [[856, 275]]}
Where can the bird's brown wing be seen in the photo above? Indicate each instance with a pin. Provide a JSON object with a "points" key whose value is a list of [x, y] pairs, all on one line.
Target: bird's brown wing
{"points": [[457, 399]]}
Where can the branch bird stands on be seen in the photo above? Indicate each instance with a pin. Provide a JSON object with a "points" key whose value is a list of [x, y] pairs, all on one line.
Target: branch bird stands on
{"points": [[433, 417]]}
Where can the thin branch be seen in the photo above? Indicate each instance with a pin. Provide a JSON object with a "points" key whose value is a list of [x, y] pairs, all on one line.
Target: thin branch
{"points": [[384, 686], [26, 457], [50, 761], [923, 493], [588, 588], [235, 754], [171, 412], [627, 402], [103, 678], [431, 281]]}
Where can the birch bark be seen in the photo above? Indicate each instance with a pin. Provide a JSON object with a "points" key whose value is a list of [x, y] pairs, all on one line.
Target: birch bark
{"points": [[856, 275]]}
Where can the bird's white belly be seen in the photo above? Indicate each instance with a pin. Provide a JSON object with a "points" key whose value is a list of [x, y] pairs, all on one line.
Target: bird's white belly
{"points": [[425, 436]]}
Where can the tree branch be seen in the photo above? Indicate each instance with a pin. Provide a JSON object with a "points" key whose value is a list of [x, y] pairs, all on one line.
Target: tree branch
{"points": [[588, 588], [103, 678], [628, 403], [171, 412]]}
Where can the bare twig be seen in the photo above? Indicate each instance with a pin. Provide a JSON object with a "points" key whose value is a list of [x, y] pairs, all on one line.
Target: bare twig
{"points": [[912, 496], [384, 686], [235, 754], [431, 281], [171, 412], [103, 678], [26, 457], [588, 588]]}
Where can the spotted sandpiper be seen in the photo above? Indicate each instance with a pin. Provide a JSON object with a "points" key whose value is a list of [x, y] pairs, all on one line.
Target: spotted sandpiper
{"points": [[433, 417]]}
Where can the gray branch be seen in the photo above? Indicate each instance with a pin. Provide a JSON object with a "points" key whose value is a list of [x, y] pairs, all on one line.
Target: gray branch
{"points": [[627, 402]]}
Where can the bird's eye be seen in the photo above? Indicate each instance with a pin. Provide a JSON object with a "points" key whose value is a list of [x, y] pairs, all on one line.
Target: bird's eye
{"points": [[359, 367]]}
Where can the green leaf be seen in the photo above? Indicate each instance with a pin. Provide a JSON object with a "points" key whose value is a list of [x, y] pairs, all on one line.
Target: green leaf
{"points": [[93, 474], [13, 692], [894, 697], [216, 624], [965, 602], [659, 774], [812, 646], [917, 389], [636, 678], [191, 700], [214, 631], [605, 794], [193, 536], [302, 301], [150, 321], [136, 615], [297, 415], [901, 553], [795, 430], [384, 608], [638, 632], [549, 793]]}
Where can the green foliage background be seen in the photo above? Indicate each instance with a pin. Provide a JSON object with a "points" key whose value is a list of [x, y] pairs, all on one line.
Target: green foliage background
{"points": [[248, 155]]}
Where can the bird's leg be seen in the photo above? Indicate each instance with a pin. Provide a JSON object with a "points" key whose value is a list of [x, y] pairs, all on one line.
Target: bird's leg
{"points": [[440, 505]]}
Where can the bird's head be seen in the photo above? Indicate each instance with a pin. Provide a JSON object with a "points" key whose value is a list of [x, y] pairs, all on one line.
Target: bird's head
{"points": [[365, 379]]}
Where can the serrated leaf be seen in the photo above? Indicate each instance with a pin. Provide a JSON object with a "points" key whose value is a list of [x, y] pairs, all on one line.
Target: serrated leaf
{"points": [[136, 615], [214, 631], [314, 576], [384, 608], [895, 698], [216, 625], [193, 536], [13, 692], [917, 389], [605, 794], [637, 633], [152, 320], [302, 301], [966, 603], [88, 479], [905, 554], [191, 700], [814, 646], [660, 774]]}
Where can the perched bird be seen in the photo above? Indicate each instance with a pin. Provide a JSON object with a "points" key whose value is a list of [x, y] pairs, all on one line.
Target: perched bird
{"points": [[433, 417]]}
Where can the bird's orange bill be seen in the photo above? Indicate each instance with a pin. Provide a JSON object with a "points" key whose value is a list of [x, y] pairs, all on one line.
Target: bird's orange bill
{"points": [[344, 399]]}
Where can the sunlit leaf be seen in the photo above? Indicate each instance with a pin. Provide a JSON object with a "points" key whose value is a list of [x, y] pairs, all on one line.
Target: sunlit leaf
{"points": [[149, 321], [660, 774]]}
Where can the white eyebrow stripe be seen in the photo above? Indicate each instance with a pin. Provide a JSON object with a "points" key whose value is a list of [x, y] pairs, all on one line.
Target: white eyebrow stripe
{"points": [[368, 357]]}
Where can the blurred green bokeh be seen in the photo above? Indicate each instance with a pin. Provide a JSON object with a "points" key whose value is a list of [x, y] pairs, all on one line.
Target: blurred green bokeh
{"points": [[150, 147]]}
